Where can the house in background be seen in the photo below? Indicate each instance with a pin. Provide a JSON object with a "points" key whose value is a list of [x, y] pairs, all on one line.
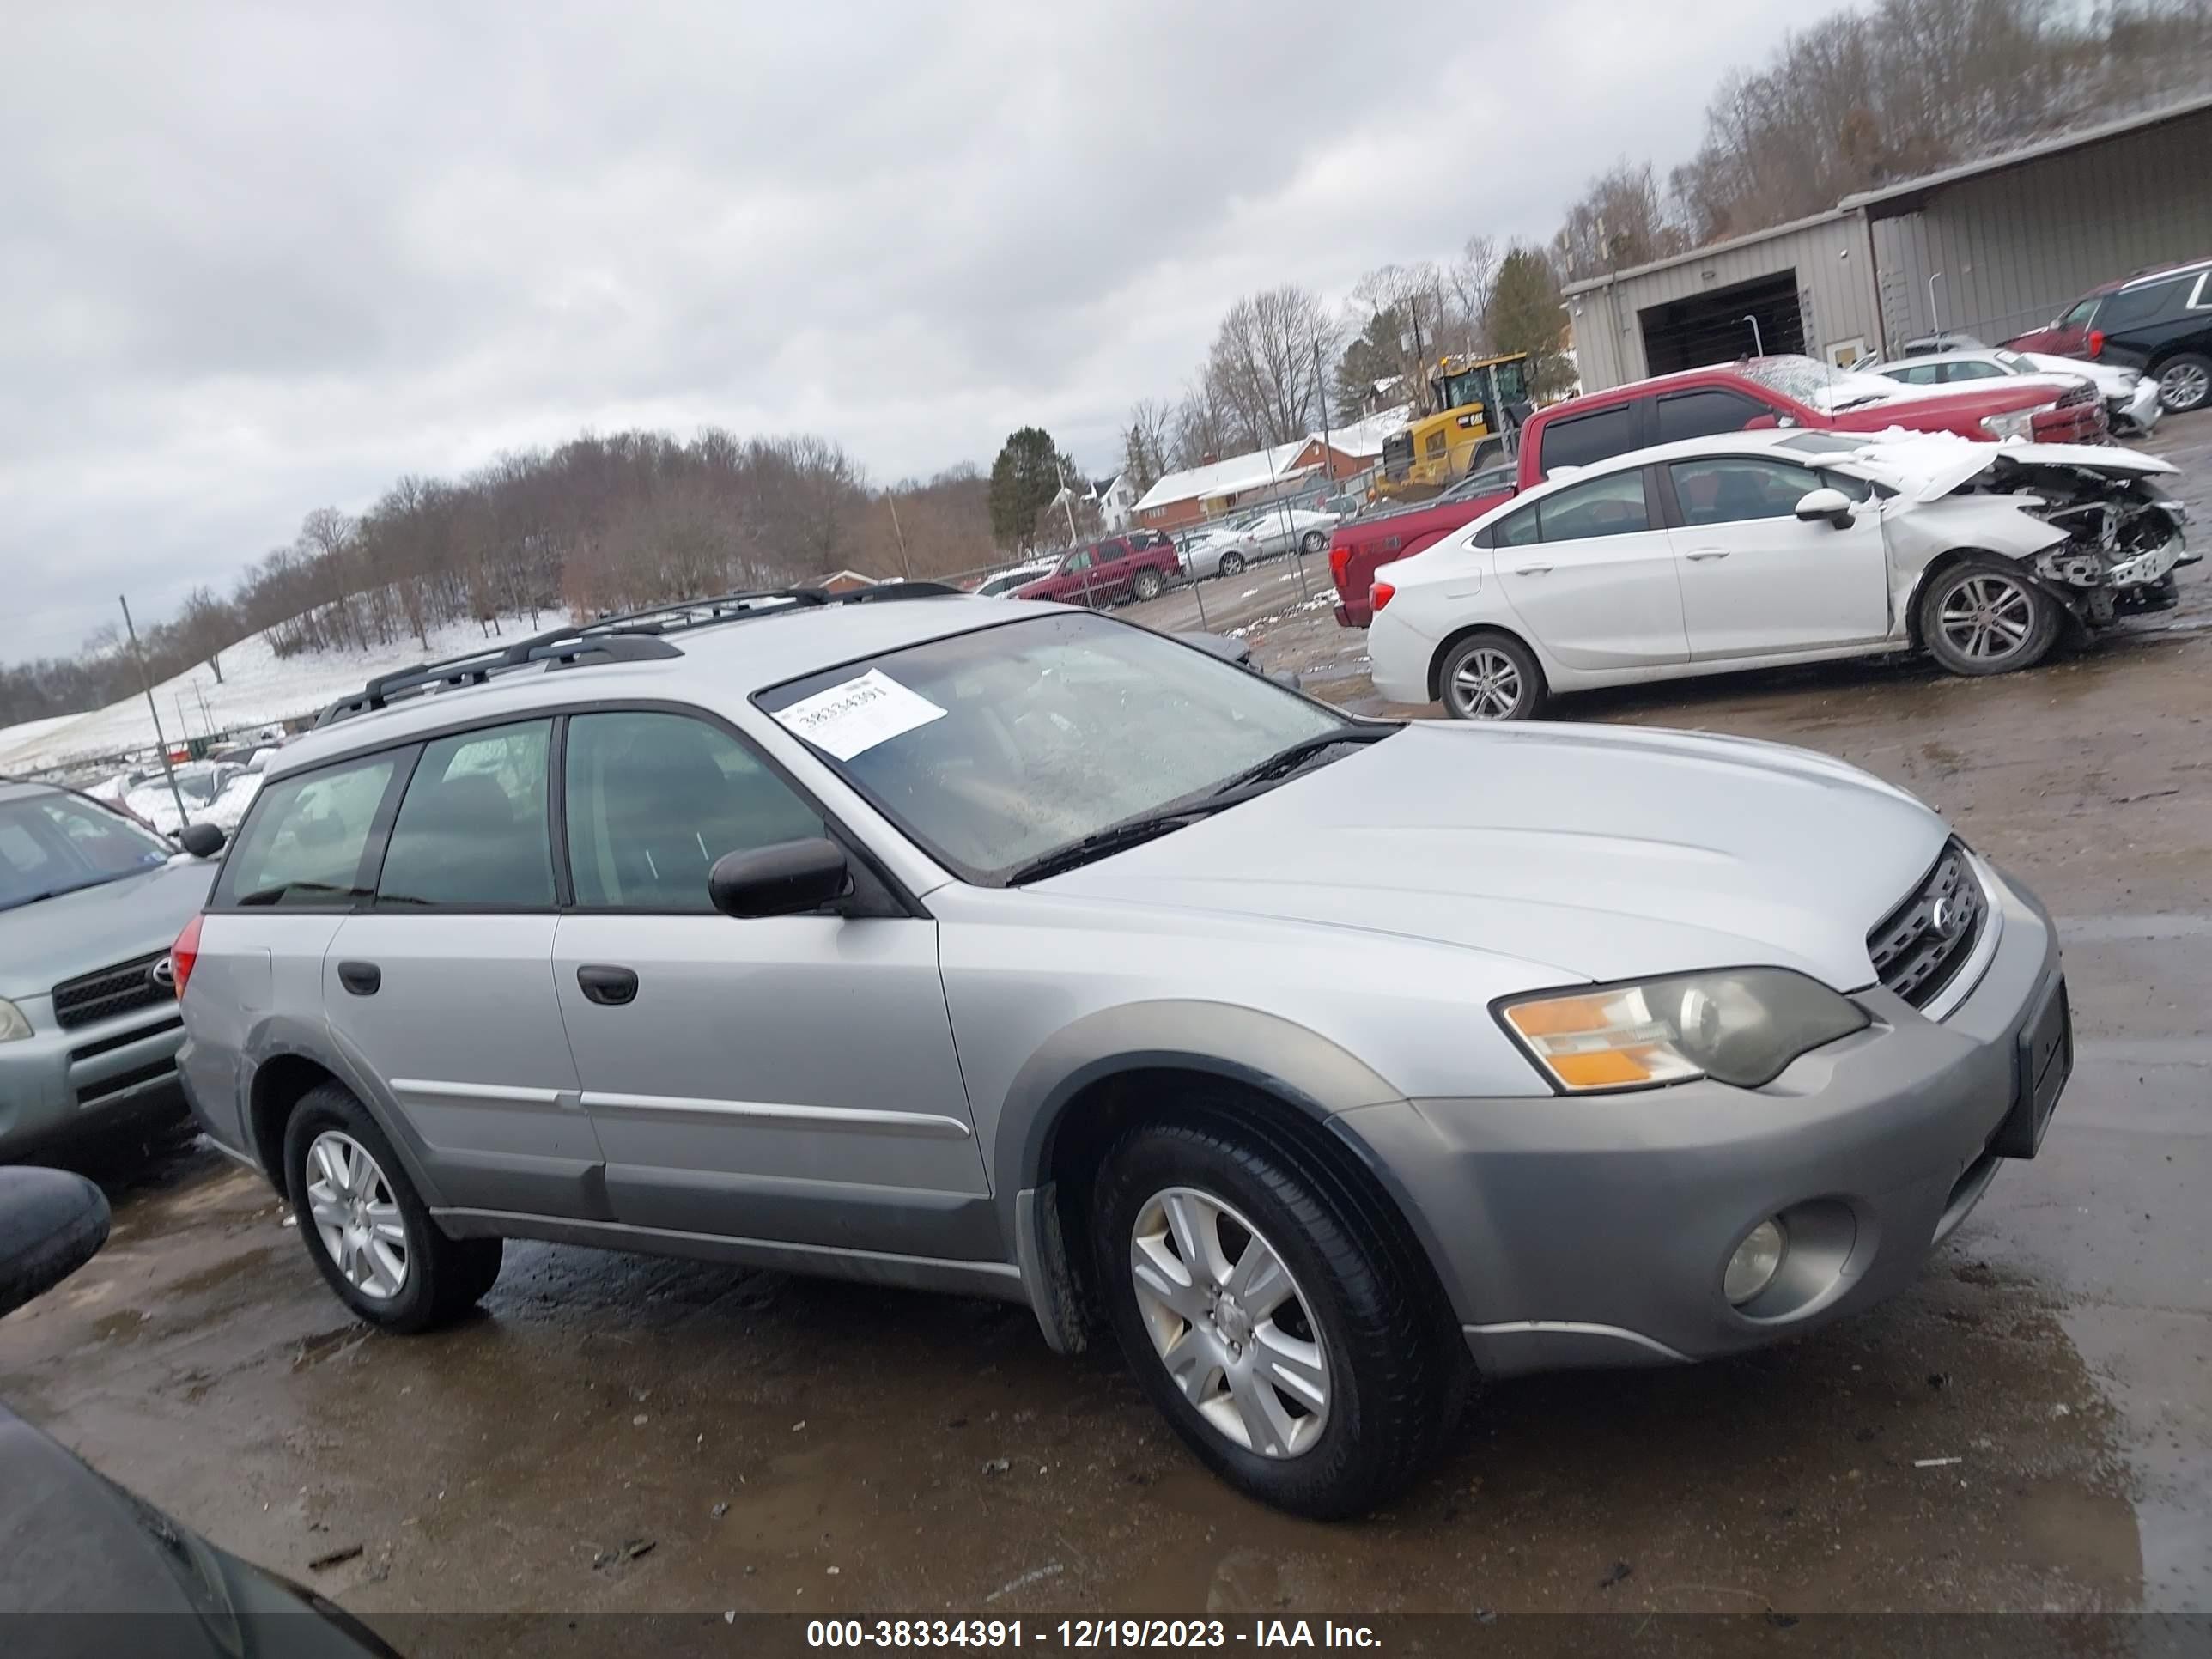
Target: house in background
{"points": [[1117, 501], [843, 581], [1196, 494]]}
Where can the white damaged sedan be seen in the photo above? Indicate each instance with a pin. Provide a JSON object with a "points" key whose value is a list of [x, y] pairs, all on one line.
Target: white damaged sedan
{"points": [[1750, 549]]}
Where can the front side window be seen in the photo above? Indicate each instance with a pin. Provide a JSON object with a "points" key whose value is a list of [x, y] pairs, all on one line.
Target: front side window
{"points": [[471, 833], [1700, 413], [302, 843], [2079, 314], [996, 747], [1611, 506], [1078, 560], [655, 798], [52, 843], [1730, 488]]}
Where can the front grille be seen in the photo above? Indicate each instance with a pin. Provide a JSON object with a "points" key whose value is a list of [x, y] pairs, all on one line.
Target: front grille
{"points": [[109, 992], [2084, 393], [1921, 945]]}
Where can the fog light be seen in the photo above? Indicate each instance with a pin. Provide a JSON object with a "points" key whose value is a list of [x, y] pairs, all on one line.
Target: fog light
{"points": [[1753, 1267]]}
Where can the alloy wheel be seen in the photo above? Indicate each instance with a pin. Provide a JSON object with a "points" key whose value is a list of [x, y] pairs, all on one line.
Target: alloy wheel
{"points": [[1229, 1323], [354, 1213], [1231, 563], [1487, 685], [2182, 386], [1988, 618]]}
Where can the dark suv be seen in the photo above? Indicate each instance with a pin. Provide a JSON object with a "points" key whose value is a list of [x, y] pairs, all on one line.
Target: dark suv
{"points": [[2158, 320], [1135, 565]]}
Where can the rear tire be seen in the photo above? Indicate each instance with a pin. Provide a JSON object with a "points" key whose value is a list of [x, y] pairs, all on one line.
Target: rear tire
{"points": [[1329, 1385], [1231, 564], [2184, 382], [1147, 585], [1983, 615], [390, 1263], [1313, 542], [1490, 677]]}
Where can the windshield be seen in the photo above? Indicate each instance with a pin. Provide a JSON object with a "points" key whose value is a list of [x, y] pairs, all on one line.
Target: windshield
{"points": [[998, 746], [1818, 385], [2015, 361], [57, 843]]}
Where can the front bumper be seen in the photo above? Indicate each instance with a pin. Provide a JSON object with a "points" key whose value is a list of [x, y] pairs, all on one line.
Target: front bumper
{"points": [[1592, 1231], [2141, 408], [56, 1083]]}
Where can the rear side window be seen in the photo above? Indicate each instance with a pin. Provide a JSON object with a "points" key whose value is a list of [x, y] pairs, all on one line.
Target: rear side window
{"points": [[302, 842], [1109, 551], [654, 800], [1918, 374], [1701, 413], [472, 830], [1953, 373], [1582, 440], [1611, 506], [2132, 306]]}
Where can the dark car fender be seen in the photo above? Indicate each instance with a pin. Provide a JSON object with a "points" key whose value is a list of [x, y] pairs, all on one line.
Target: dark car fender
{"points": [[1307, 1073]]}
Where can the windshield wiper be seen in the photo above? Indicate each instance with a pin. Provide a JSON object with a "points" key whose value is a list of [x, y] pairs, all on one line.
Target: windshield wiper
{"points": [[1112, 839], [1291, 756]]}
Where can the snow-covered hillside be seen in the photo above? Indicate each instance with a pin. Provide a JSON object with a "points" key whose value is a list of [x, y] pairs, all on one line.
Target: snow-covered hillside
{"points": [[258, 688]]}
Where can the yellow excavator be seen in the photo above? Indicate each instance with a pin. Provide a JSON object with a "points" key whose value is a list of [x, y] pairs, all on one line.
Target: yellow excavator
{"points": [[1474, 402]]}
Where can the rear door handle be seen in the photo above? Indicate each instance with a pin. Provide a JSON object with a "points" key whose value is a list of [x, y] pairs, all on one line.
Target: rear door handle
{"points": [[1703, 553], [361, 978], [612, 986], [1532, 570]]}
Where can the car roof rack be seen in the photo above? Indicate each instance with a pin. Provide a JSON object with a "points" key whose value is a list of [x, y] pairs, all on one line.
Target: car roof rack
{"points": [[627, 636]]}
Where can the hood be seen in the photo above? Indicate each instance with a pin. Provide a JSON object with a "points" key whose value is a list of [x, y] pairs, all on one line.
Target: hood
{"points": [[58, 939], [1602, 852], [1925, 465], [2104, 376]]}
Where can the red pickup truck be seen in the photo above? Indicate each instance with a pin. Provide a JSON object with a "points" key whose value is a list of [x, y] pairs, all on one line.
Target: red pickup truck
{"points": [[1760, 391], [1134, 565]]}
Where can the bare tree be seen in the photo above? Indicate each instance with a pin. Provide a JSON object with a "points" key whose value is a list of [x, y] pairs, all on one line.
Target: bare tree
{"points": [[1620, 220], [1145, 443], [1264, 364]]}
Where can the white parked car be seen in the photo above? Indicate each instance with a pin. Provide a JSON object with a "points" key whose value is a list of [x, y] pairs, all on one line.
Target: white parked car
{"points": [[1747, 549], [1222, 550], [2130, 399], [1279, 529], [1021, 575]]}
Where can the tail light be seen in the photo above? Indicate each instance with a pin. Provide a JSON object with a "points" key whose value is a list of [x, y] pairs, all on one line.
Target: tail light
{"points": [[184, 953], [1339, 560], [1380, 594], [2096, 342]]}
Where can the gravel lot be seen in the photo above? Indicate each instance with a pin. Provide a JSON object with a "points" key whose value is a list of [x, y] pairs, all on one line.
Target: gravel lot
{"points": [[784, 1445]]}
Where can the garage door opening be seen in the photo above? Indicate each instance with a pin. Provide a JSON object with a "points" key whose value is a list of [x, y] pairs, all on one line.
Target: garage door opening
{"points": [[1709, 327]]}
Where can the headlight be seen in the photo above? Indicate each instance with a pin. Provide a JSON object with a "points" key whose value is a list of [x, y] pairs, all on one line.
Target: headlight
{"points": [[2020, 423], [14, 1027], [1739, 1025]]}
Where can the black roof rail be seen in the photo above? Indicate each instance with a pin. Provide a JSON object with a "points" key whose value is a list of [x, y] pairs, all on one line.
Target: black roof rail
{"points": [[626, 637]]}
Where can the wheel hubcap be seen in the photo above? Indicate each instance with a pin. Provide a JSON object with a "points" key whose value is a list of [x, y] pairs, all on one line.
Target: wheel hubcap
{"points": [[1488, 686], [356, 1216], [1988, 618], [2184, 385], [1229, 1323]]}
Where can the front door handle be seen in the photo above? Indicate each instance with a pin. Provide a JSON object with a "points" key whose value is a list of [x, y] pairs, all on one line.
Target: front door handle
{"points": [[1703, 553], [361, 978], [1532, 570], [612, 986]]}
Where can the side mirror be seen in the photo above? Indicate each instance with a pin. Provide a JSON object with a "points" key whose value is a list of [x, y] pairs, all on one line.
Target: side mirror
{"points": [[1830, 504], [52, 1223], [788, 878], [202, 841]]}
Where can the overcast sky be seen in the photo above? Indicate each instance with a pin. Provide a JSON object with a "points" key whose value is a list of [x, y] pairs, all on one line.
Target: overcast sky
{"points": [[252, 261]]}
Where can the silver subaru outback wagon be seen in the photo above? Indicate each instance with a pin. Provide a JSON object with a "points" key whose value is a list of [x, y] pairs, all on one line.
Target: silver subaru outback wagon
{"points": [[1019, 952]]}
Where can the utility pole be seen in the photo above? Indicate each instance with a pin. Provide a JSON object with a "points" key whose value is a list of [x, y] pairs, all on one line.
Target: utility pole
{"points": [[147, 686], [892, 496]]}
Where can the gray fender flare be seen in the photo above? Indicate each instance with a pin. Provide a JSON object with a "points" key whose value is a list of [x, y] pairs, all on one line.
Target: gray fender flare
{"points": [[1308, 1073], [289, 1036]]}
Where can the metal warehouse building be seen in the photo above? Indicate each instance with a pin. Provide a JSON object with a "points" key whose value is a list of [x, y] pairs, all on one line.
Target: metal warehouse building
{"points": [[1990, 248]]}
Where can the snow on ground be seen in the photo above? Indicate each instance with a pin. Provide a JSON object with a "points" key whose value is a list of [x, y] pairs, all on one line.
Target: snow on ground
{"points": [[258, 688]]}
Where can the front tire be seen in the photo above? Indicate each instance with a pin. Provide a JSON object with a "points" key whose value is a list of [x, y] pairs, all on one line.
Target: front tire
{"points": [[1490, 677], [2184, 382], [1147, 585], [1279, 1331], [1983, 617], [1231, 564], [366, 1228]]}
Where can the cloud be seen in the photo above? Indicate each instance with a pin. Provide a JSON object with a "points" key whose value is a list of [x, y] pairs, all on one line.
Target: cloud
{"points": [[254, 260]]}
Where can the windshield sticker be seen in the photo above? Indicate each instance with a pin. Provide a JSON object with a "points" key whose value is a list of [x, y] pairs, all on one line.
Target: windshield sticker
{"points": [[854, 716]]}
